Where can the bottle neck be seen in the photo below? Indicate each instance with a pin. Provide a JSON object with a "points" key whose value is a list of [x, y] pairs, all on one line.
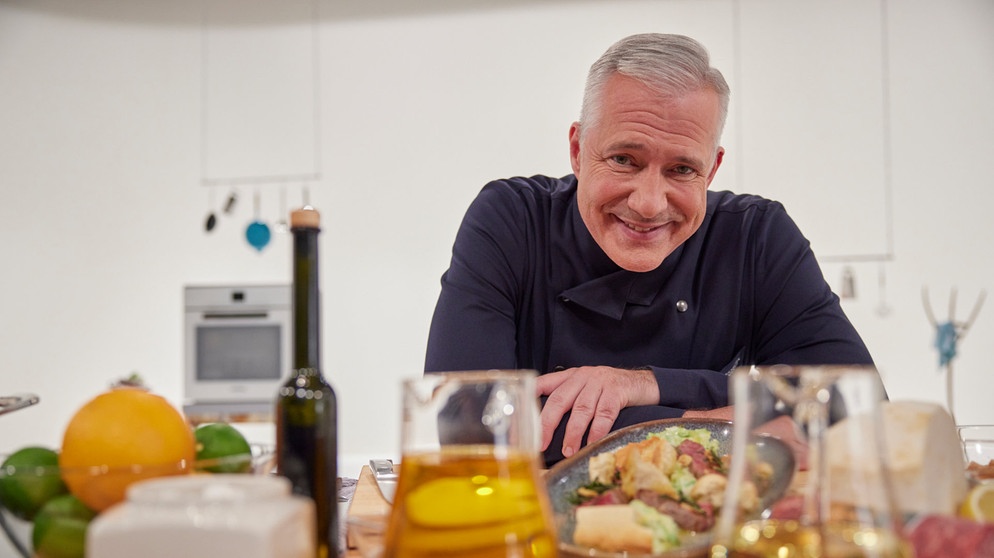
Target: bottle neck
{"points": [[306, 303]]}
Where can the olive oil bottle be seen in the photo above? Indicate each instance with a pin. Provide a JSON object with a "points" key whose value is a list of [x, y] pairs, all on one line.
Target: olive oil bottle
{"points": [[306, 407]]}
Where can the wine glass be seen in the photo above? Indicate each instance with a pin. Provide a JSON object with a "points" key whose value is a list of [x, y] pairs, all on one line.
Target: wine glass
{"points": [[844, 507], [469, 475], [978, 443]]}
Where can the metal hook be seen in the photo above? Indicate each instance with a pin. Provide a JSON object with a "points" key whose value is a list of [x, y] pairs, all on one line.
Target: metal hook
{"points": [[948, 334], [957, 328]]}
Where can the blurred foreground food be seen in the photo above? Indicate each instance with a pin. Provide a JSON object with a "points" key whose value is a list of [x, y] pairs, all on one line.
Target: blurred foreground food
{"points": [[923, 454], [123, 427], [25, 494], [121, 436]]}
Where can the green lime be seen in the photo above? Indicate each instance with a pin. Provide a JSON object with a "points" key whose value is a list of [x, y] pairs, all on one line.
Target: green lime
{"points": [[221, 448], [60, 528], [29, 477]]}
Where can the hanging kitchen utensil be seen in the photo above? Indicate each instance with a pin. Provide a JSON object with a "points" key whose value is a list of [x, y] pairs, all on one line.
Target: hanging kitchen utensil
{"points": [[883, 308], [229, 205], [211, 221], [848, 283], [257, 233], [281, 224], [11, 403]]}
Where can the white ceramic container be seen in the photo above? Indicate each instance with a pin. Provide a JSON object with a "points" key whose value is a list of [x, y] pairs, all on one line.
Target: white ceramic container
{"points": [[206, 516]]}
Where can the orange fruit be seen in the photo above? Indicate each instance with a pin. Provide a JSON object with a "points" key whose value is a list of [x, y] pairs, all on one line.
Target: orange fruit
{"points": [[120, 437]]}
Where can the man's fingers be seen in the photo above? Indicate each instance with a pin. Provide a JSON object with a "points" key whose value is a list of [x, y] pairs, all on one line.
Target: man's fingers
{"points": [[593, 396], [556, 406], [547, 383], [584, 410], [602, 423], [550, 420]]}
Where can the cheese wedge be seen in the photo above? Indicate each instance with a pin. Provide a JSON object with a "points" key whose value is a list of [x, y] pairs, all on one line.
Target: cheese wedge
{"points": [[923, 455], [613, 528]]}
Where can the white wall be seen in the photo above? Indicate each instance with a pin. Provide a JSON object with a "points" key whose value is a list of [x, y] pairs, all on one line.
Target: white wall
{"points": [[102, 203]]}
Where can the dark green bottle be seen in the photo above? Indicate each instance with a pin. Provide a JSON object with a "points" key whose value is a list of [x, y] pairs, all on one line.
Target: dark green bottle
{"points": [[306, 408]]}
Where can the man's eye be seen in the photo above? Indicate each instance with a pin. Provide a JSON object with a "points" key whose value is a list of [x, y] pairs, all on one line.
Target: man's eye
{"points": [[683, 172], [623, 160]]}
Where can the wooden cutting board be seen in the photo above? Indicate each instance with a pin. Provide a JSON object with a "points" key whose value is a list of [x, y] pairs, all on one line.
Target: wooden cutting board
{"points": [[367, 501]]}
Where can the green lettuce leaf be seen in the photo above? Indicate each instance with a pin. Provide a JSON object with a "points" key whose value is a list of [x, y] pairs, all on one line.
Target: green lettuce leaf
{"points": [[665, 533], [676, 434]]}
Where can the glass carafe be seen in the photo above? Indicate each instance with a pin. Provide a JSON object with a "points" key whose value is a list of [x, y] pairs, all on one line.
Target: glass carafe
{"points": [[469, 482], [841, 506]]}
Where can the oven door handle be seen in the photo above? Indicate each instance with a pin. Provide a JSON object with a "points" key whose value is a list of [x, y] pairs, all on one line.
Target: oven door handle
{"points": [[234, 316]]}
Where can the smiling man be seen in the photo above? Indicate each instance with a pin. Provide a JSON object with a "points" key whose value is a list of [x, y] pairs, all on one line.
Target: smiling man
{"points": [[629, 286]]}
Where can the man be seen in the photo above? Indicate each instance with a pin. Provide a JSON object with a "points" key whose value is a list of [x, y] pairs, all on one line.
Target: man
{"points": [[630, 287]]}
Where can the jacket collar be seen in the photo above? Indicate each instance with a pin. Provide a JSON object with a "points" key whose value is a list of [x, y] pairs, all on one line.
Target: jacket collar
{"points": [[613, 288]]}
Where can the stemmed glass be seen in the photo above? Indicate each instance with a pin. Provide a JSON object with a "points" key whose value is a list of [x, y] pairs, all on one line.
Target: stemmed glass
{"points": [[844, 506]]}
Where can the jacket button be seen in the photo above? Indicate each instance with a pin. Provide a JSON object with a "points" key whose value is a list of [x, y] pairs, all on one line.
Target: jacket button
{"points": [[681, 306]]}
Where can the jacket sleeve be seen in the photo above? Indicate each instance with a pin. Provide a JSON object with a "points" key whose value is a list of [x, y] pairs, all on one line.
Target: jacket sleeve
{"points": [[798, 318], [474, 324]]}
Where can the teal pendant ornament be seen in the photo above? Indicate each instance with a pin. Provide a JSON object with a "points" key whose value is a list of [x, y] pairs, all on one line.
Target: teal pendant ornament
{"points": [[257, 234]]}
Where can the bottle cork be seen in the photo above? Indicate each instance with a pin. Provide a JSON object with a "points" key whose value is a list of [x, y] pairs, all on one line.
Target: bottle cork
{"points": [[305, 217]]}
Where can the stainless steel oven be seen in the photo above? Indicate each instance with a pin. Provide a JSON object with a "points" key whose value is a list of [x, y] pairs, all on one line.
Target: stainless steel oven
{"points": [[237, 348]]}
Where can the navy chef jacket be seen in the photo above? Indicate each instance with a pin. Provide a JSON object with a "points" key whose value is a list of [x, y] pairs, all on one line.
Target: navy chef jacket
{"points": [[528, 287]]}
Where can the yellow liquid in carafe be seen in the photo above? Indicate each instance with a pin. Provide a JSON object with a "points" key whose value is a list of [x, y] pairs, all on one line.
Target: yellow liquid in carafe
{"points": [[788, 539], [468, 502]]}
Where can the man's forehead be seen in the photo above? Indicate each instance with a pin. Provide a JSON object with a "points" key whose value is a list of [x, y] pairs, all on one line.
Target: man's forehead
{"points": [[626, 98]]}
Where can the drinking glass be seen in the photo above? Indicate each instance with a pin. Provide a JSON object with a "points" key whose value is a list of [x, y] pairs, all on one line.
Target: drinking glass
{"points": [[844, 505], [978, 443], [469, 480]]}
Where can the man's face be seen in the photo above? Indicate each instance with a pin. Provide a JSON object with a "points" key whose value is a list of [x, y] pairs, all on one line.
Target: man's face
{"points": [[643, 170]]}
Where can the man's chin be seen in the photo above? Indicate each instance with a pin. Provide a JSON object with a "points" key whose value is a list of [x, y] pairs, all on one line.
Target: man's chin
{"points": [[639, 263]]}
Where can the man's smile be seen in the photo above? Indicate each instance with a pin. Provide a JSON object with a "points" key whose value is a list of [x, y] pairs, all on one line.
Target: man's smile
{"points": [[641, 229]]}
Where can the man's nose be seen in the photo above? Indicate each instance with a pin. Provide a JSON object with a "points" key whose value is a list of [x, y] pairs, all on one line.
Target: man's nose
{"points": [[649, 197]]}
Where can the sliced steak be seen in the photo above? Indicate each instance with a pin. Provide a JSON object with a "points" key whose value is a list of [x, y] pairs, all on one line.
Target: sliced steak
{"points": [[700, 465], [787, 508], [938, 536], [686, 517], [608, 497]]}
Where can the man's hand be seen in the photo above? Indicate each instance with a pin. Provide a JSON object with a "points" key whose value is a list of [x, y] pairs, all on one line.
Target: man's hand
{"points": [[595, 395], [721, 413]]}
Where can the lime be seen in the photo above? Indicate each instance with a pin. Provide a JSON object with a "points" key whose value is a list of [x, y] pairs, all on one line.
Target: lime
{"points": [[29, 477], [221, 448], [60, 528]]}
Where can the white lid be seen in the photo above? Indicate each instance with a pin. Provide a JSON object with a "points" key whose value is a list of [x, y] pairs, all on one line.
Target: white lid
{"points": [[209, 489]]}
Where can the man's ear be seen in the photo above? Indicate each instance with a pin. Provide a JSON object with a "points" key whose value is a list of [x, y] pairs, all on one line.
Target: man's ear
{"points": [[574, 147], [717, 163]]}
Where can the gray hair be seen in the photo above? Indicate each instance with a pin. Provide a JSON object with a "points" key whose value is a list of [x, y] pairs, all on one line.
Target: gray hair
{"points": [[669, 64]]}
